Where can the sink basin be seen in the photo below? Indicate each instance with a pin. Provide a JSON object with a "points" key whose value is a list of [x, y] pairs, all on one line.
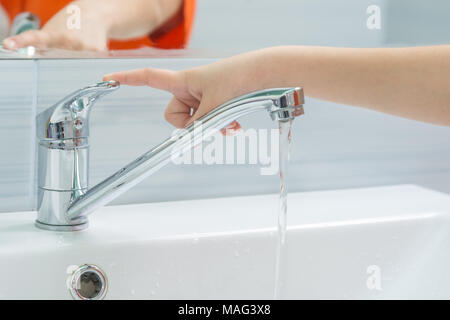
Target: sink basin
{"points": [[381, 243]]}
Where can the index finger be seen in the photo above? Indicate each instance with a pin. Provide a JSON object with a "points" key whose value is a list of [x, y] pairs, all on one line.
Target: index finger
{"points": [[155, 78]]}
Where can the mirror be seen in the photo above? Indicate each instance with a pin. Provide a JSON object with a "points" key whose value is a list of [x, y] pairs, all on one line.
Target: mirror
{"points": [[143, 28], [65, 28]]}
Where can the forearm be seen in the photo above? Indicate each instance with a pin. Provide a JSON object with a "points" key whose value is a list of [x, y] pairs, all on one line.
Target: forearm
{"points": [[131, 18], [408, 82]]}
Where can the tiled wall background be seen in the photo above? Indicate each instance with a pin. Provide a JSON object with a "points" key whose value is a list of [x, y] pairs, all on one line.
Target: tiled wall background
{"points": [[335, 146], [17, 89]]}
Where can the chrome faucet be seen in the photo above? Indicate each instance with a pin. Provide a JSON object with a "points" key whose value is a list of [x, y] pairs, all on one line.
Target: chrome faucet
{"points": [[64, 199]]}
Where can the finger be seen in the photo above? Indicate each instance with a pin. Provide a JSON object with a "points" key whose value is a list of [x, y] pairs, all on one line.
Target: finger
{"points": [[231, 129], [36, 38], [155, 78], [9, 44], [177, 113], [202, 109]]}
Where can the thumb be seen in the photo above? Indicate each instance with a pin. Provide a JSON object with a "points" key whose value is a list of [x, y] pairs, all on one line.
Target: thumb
{"points": [[229, 130], [204, 107]]}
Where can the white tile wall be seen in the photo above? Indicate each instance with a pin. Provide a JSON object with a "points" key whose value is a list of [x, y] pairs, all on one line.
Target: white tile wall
{"points": [[16, 125], [339, 146]]}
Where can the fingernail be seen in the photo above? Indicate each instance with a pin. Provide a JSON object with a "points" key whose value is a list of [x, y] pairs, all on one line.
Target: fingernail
{"points": [[231, 129], [9, 44]]}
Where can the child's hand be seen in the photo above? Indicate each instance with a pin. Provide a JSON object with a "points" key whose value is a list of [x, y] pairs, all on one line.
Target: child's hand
{"points": [[188, 93], [200, 89], [191, 91]]}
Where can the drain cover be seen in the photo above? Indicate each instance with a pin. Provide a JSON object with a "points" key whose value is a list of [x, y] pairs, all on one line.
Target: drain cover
{"points": [[88, 282]]}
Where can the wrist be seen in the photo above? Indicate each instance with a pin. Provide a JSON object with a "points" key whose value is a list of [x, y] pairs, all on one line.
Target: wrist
{"points": [[261, 69]]}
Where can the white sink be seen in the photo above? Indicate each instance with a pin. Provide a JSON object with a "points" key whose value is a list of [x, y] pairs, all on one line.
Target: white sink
{"points": [[384, 242]]}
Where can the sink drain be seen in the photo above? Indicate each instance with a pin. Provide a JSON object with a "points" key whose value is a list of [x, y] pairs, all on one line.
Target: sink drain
{"points": [[88, 282]]}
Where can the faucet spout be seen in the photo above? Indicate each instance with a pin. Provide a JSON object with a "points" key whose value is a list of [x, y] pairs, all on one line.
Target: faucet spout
{"points": [[282, 104]]}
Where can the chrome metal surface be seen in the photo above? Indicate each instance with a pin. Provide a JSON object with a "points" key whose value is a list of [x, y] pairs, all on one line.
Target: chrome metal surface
{"points": [[62, 228], [69, 118], [64, 196], [63, 156], [88, 282]]}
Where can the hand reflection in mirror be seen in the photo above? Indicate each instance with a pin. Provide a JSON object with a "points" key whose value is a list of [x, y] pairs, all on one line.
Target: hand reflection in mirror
{"points": [[107, 24]]}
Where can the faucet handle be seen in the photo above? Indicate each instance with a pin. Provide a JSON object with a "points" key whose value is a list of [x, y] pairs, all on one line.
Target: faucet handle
{"points": [[69, 118], [84, 98]]}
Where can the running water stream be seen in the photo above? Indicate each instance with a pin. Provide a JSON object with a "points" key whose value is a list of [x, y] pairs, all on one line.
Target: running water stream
{"points": [[284, 154]]}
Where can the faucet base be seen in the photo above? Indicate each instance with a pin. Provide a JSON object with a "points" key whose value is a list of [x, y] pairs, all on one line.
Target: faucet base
{"points": [[62, 228]]}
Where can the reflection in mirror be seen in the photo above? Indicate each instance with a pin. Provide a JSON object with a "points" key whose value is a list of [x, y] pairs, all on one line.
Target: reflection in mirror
{"points": [[3, 23], [139, 28], [95, 26]]}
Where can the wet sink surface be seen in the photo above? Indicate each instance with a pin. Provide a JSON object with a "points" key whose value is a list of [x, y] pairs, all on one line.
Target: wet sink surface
{"points": [[383, 242]]}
